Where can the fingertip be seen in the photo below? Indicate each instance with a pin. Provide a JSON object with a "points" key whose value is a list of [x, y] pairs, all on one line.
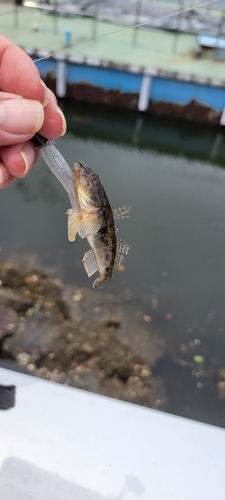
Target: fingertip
{"points": [[5, 178], [45, 100], [29, 156], [18, 160], [63, 121], [39, 116], [54, 124], [20, 117]]}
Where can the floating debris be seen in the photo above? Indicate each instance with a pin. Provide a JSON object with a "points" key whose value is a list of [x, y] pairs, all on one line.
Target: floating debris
{"points": [[198, 359], [146, 318], [221, 390]]}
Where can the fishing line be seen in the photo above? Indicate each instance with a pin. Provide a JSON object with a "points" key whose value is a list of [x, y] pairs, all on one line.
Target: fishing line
{"points": [[123, 30]]}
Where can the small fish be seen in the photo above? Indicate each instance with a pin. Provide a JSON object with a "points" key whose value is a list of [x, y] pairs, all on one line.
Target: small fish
{"points": [[91, 215], [95, 221]]}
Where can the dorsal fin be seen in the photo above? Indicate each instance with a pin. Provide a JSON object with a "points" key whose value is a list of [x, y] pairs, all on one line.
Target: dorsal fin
{"points": [[119, 213]]}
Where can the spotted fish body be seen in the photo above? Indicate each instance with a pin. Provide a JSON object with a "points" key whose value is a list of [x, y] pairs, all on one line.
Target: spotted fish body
{"points": [[95, 221], [91, 215]]}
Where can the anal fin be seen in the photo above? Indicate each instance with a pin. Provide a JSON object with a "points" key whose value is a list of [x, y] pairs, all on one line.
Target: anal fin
{"points": [[122, 249], [89, 262]]}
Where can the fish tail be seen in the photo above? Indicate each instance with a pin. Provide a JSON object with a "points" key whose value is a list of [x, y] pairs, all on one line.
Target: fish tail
{"points": [[101, 281]]}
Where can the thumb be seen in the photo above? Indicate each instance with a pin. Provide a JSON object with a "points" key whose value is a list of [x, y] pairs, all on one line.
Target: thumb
{"points": [[20, 119]]}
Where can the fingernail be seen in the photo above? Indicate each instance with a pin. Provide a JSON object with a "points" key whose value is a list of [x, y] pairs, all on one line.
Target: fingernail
{"points": [[28, 155], [59, 111], [21, 116], [1, 177], [45, 93]]}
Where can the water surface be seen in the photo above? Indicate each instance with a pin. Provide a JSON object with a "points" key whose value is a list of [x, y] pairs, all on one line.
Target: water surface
{"points": [[172, 174]]}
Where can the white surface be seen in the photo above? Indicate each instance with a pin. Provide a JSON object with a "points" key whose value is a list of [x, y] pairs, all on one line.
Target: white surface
{"points": [[211, 41], [65, 444]]}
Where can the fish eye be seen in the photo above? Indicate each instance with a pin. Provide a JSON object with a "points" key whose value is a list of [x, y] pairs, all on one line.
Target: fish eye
{"points": [[95, 178]]}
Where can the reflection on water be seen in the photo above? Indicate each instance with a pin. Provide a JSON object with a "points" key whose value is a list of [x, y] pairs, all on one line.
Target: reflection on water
{"points": [[171, 175], [42, 190]]}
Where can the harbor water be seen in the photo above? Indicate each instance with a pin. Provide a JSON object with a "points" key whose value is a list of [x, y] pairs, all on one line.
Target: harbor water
{"points": [[172, 173]]}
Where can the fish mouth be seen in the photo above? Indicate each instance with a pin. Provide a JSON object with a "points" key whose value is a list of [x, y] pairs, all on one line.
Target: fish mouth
{"points": [[83, 166], [80, 169]]}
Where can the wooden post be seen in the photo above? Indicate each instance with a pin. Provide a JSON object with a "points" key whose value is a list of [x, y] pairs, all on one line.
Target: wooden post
{"points": [[55, 18], [176, 34], [95, 20], [16, 15], [136, 21], [220, 25]]}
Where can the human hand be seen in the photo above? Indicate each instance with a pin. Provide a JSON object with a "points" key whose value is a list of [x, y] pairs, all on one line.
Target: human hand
{"points": [[27, 106]]}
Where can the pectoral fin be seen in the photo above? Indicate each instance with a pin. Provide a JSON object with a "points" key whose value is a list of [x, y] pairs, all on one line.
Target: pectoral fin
{"points": [[119, 213], [89, 262], [73, 221], [88, 227], [121, 249]]}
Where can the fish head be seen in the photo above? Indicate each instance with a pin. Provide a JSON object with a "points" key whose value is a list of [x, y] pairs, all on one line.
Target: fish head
{"points": [[87, 184]]}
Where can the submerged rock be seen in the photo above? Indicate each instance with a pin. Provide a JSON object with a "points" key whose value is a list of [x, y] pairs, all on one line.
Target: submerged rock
{"points": [[8, 321], [78, 337]]}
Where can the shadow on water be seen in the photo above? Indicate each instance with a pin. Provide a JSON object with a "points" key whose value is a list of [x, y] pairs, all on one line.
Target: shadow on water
{"points": [[170, 172]]}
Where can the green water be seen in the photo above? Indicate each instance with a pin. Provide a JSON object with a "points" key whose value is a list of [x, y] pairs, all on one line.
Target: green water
{"points": [[172, 174]]}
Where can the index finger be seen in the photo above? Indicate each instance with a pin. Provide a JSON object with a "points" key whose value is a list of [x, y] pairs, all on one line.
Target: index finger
{"points": [[18, 73]]}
